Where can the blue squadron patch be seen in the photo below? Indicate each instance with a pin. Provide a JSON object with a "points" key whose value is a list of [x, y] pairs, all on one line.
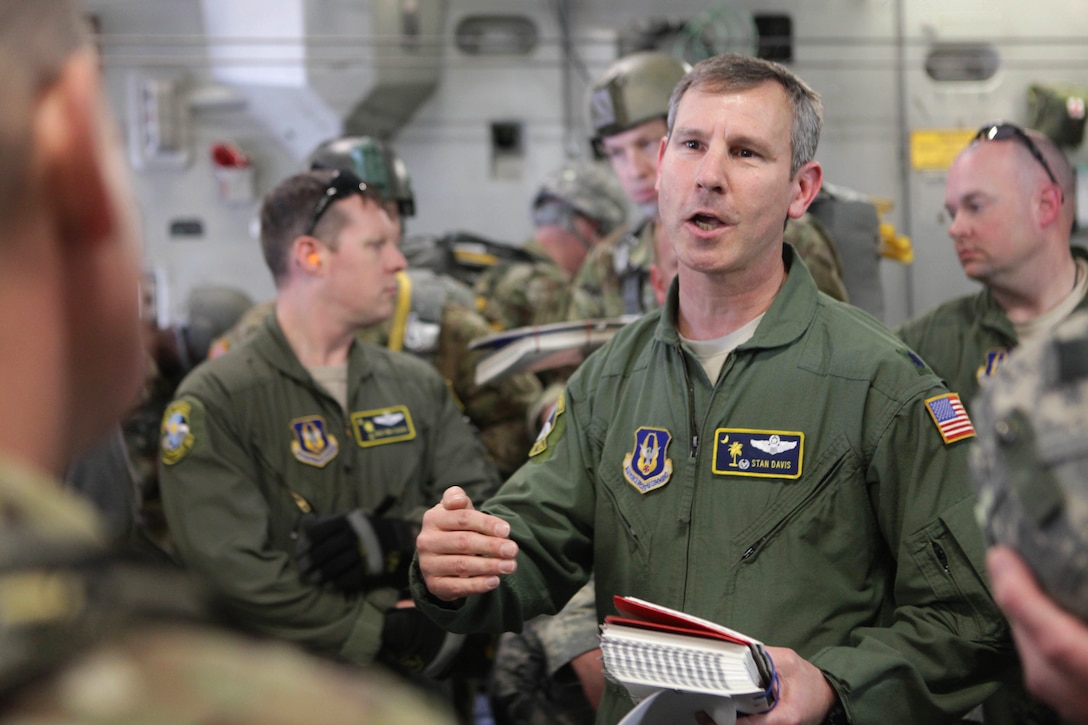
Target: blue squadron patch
{"points": [[758, 453], [647, 467], [381, 426], [541, 443], [175, 435], [994, 359], [313, 444]]}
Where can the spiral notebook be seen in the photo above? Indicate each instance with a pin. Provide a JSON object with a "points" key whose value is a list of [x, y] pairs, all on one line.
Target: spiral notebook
{"points": [[649, 648]]}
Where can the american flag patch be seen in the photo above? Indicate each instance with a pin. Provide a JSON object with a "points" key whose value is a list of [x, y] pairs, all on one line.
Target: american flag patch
{"points": [[951, 418]]}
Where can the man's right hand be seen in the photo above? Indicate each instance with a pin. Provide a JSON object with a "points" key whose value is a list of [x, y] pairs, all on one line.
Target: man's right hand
{"points": [[463, 551]]}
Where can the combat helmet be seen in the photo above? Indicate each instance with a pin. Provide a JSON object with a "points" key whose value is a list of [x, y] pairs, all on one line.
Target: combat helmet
{"points": [[585, 188], [372, 161], [212, 310], [1030, 463], [634, 89]]}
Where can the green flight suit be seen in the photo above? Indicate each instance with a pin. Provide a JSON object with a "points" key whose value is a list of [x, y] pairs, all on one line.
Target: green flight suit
{"points": [[807, 498], [252, 446], [966, 339]]}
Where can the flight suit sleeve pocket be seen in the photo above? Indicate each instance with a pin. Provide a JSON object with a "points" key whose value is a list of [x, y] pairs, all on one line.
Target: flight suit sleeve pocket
{"points": [[949, 555]]}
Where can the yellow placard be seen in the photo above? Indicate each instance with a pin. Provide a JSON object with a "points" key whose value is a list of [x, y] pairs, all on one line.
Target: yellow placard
{"points": [[933, 149]]}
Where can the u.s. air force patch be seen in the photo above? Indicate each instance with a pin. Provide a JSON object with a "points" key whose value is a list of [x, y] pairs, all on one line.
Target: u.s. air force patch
{"points": [[552, 430], [313, 444], [175, 434], [381, 426], [758, 453], [648, 467]]}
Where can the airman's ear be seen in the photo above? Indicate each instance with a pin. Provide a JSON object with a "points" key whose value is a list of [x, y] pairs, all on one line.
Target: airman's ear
{"points": [[806, 184], [69, 133], [307, 253], [1048, 204]]}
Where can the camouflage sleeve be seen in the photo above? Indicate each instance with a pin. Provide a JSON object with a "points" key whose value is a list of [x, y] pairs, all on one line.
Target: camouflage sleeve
{"points": [[525, 294], [595, 291], [819, 254], [530, 681], [572, 631], [498, 410]]}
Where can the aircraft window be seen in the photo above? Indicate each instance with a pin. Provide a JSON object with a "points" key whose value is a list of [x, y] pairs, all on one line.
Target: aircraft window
{"points": [[496, 35], [962, 62]]}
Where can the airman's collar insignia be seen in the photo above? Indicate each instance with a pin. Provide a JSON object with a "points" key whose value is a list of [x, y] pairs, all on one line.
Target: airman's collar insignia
{"points": [[758, 453], [313, 444], [647, 467]]}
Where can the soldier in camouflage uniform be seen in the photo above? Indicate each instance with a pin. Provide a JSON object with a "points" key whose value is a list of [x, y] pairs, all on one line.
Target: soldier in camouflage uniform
{"points": [[1030, 467], [576, 207], [72, 649], [435, 316], [627, 110]]}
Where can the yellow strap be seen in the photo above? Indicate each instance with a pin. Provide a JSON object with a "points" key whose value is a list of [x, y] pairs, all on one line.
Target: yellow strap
{"points": [[400, 312]]}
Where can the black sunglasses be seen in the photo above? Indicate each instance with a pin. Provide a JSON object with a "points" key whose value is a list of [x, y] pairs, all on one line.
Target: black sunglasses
{"points": [[342, 185], [1006, 131]]}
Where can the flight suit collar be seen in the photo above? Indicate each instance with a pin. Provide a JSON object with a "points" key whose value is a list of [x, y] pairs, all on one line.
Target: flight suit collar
{"points": [[992, 317], [790, 314], [271, 344]]}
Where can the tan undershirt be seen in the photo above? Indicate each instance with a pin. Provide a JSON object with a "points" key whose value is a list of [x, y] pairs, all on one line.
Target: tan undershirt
{"points": [[712, 354], [334, 379], [1045, 323]]}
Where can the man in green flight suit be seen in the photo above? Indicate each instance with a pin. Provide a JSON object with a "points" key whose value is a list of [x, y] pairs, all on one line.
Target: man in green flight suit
{"points": [[294, 470], [435, 316], [1011, 198], [803, 476]]}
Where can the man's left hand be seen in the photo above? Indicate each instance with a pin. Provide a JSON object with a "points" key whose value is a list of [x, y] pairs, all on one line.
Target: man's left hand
{"points": [[804, 695]]}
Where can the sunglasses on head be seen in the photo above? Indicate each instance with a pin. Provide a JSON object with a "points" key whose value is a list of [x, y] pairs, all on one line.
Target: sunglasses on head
{"points": [[1006, 131], [342, 185]]}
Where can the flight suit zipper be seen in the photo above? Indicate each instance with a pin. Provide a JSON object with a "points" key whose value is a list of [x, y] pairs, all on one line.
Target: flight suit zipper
{"points": [[693, 430]]}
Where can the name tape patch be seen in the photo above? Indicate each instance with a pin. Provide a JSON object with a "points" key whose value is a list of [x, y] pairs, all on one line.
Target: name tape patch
{"points": [[758, 453], [382, 426]]}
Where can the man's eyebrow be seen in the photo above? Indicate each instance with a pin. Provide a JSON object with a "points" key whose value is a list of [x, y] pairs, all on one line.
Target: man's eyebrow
{"points": [[689, 132]]}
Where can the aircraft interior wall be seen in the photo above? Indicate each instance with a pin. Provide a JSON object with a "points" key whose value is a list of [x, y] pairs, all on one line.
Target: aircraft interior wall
{"points": [[494, 124]]}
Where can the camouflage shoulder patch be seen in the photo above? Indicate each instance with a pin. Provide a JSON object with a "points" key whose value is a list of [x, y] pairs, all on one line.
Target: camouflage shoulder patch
{"points": [[950, 417], [175, 434], [553, 428]]}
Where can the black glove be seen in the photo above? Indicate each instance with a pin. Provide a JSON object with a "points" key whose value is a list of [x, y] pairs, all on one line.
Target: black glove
{"points": [[413, 643], [353, 552]]}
